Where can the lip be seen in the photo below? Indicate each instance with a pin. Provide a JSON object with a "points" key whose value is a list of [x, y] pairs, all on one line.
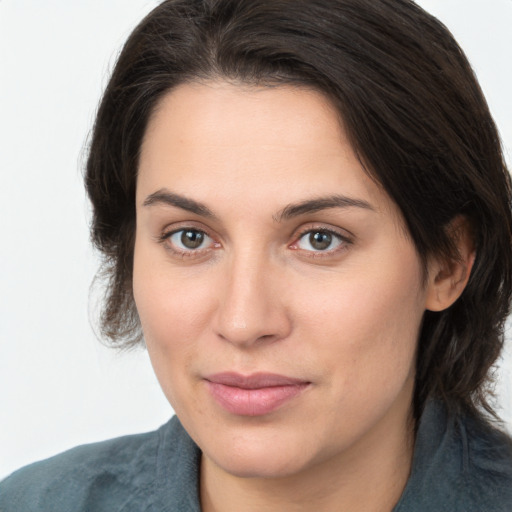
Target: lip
{"points": [[253, 395]]}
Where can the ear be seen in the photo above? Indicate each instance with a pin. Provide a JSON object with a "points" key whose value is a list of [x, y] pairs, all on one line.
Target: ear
{"points": [[447, 277]]}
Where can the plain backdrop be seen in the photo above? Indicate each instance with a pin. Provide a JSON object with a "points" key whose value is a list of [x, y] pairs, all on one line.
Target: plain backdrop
{"points": [[59, 386]]}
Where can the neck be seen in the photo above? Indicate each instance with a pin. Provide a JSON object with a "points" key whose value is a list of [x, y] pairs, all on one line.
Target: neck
{"points": [[380, 462]]}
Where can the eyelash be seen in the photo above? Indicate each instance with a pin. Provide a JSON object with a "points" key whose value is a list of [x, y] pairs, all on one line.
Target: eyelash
{"points": [[344, 241], [165, 237]]}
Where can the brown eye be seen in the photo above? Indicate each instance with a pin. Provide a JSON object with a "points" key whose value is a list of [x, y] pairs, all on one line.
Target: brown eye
{"points": [[320, 241], [192, 239], [188, 239]]}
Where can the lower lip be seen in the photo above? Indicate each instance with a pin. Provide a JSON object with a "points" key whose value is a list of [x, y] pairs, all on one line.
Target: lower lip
{"points": [[253, 402]]}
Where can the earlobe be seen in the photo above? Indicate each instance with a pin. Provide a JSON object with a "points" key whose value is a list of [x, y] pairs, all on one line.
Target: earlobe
{"points": [[449, 276]]}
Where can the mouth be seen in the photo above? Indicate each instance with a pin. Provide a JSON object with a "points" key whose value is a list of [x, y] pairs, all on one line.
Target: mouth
{"points": [[253, 395]]}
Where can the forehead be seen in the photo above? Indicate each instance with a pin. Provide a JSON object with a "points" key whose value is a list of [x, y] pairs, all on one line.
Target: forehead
{"points": [[226, 114], [232, 141]]}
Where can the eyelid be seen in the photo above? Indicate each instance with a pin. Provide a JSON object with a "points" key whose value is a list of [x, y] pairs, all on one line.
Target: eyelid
{"points": [[342, 234], [174, 227], [169, 231], [346, 238]]}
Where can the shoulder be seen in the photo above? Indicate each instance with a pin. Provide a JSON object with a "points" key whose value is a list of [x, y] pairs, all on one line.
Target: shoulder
{"points": [[99, 476], [487, 464], [461, 464]]}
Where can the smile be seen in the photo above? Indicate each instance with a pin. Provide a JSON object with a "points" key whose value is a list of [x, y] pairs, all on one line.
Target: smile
{"points": [[253, 395]]}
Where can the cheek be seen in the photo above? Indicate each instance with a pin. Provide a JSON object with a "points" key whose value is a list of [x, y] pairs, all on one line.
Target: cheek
{"points": [[173, 312], [172, 306], [366, 325]]}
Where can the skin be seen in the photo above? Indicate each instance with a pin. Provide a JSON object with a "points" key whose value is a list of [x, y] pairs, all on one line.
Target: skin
{"points": [[257, 296]]}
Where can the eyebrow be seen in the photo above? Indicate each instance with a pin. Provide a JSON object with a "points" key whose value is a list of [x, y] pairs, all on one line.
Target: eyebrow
{"points": [[167, 198], [321, 203]]}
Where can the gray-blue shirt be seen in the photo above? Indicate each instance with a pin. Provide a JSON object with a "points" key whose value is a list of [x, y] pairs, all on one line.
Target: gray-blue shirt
{"points": [[460, 465]]}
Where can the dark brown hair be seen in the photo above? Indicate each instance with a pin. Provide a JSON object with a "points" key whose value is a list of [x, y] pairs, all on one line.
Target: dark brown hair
{"points": [[414, 113]]}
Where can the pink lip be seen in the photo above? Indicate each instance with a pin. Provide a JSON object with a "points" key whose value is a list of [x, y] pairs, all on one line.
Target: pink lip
{"points": [[253, 395]]}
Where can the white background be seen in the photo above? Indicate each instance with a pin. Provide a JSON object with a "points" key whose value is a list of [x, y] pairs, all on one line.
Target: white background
{"points": [[58, 386]]}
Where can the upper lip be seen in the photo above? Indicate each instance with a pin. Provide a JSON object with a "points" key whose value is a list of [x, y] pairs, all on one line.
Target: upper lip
{"points": [[254, 381]]}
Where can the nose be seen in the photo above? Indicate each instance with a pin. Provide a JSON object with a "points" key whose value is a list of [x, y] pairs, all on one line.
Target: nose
{"points": [[251, 307]]}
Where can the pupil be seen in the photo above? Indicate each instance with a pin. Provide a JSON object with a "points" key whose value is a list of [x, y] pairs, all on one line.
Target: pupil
{"points": [[192, 239], [320, 240]]}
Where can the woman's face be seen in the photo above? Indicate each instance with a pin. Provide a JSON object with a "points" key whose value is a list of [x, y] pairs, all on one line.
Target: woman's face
{"points": [[279, 294]]}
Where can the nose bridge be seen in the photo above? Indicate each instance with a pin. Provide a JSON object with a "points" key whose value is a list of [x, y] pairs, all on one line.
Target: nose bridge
{"points": [[250, 308]]}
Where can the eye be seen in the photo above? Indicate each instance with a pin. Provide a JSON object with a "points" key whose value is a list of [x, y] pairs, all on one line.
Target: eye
{"points": [[187, 240], [320, 240]]}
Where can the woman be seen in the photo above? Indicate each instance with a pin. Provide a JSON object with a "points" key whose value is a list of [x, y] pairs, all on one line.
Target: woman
{"points": [[305, 214]]}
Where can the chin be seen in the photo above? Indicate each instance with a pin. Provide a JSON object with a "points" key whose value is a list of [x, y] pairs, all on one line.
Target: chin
{"points": [[271, 463], [260, 455]]}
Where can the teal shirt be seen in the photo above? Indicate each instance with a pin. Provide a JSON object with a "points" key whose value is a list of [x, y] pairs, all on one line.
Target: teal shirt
{"points": [[459, 465]]}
